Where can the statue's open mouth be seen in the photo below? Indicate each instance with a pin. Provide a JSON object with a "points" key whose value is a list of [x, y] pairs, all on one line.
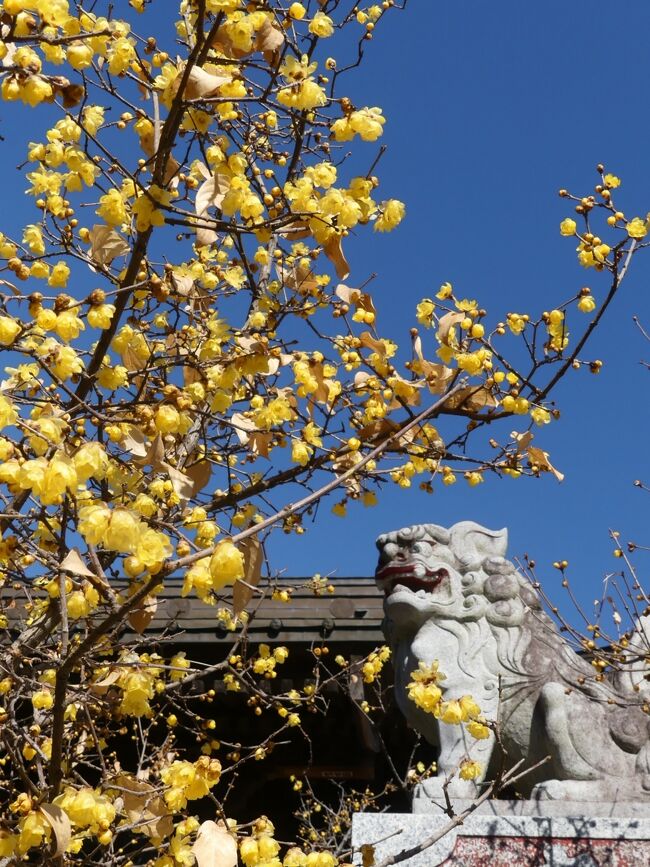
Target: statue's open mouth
{"points": [[413, 576]]}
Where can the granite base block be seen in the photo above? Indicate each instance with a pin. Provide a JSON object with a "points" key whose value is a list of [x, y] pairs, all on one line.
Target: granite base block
{"points": [[508, 833]]}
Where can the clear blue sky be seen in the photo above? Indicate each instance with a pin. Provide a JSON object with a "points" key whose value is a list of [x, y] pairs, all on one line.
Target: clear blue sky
{"points": [[491, 108]]}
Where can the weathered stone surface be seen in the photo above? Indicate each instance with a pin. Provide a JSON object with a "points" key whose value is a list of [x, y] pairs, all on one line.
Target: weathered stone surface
{"points": [[452, 597], [571, 840]]}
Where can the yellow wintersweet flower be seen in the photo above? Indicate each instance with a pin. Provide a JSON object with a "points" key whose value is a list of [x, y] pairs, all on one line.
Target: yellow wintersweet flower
{"points": [[100, 316], [424, 312], [516, 322], [366, 122], [321, 25], [145, 210], [167, 419], [42, 699], [120, 55], [80, 56], [297, 11], [198, 578], [540, 415], [478, 729], [59, 276], [34, 830], [392, 214], [179, 665], [300, 452], [33, 237], [474, 479], [469, 770], [123, 532], [637, 228], [612, 182], [112, 208], [568, 227], [468, 707], [226, 564], [450, 712], [444, 292], [303, 96], [152, 549], [68, 325], [87, 808], [59, 476], [249, 851], [587, 304], [9, 330], [138, 689]]}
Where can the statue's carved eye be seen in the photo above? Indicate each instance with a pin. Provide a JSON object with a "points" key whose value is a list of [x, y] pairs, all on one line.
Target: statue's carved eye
{"points": [[421, 547]]}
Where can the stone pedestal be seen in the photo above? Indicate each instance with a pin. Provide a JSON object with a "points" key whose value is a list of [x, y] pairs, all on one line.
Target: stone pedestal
{"points": [[522, 833]]}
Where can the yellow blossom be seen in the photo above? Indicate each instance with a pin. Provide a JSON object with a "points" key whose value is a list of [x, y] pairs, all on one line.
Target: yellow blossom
{"points": [[587, 304], [9, 330], [637, 228], [321, 25], [469, 770], [226, 564], [392, 214]]}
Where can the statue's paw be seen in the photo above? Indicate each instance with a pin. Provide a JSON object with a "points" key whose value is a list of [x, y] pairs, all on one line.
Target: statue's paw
{"points": [[551, 790]]}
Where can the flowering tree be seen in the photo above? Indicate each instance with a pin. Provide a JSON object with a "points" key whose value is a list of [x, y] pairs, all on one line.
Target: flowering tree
{"points": [[186, 371]]}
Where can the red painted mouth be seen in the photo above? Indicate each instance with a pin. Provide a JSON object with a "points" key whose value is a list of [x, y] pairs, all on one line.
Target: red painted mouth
{"points": [[402, 573]]}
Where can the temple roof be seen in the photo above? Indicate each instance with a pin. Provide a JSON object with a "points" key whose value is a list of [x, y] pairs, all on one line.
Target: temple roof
{"points": [[354, 612]]}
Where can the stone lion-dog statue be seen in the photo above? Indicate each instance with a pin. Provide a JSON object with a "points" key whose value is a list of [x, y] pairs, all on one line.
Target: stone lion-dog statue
{"points": [[451, 596]]}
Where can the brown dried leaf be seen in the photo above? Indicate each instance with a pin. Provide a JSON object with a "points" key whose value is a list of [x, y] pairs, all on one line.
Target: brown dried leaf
{"points": [[202, 84], [214, 846], [269, 38], [378, 430], [523, 440], [471, 399], [182, 484], [205, 237], [154, 454], [347, 294], [299, 277], [135, 442], [436, 375], [253, 560], [72, 562], [334, 252], [61, 827], [540, 459], [211, 193], [106, 244], [445, 325], [370, 342], [200, 474], [260, 442], [101, 687], [141, 617], [367, 855], [183, 284], [243, 427], [141, 804], [130, 359], [295, 231]]}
